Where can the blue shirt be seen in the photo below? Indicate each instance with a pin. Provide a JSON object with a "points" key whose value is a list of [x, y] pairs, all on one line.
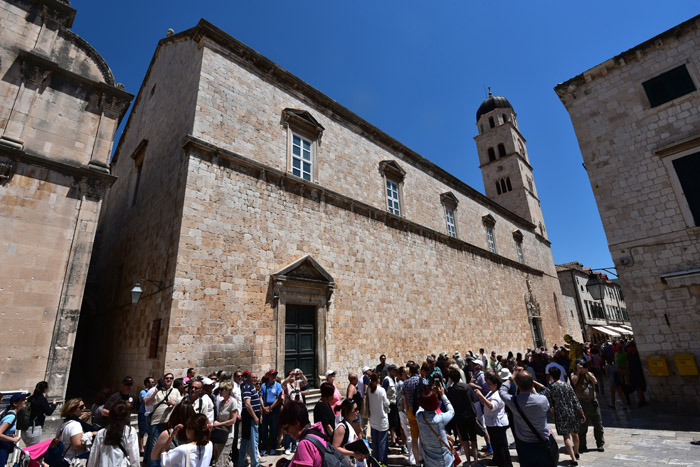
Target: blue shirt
{"points": [[270, 393], [534, 406], [10, 419], [142, 405]]}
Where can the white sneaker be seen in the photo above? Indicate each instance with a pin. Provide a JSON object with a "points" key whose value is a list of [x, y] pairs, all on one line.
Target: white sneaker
{"points": [[287, 452]]}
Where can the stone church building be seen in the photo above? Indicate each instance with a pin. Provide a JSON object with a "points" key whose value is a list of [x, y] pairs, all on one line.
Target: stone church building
{"points": [[269, 227], [59, 110]]}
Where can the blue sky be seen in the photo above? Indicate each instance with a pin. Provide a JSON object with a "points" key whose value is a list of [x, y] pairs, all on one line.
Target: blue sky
{"points": [[419, 70]]}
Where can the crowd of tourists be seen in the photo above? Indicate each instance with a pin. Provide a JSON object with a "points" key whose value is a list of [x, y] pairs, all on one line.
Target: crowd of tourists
{"points": [[435, 411]]}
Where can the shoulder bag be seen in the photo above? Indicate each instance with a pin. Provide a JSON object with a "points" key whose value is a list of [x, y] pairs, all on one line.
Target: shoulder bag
{"points": [[458, 460], [364, 410], [551, 443]]}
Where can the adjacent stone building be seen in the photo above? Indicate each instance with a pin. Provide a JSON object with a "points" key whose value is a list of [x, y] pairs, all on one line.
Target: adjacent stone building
{"points": [[268, 226], [637, 120], [598, 302], [59, 109]]}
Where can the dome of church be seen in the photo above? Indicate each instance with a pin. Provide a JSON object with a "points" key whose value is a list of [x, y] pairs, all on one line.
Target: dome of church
{"points": [[491, 103]]}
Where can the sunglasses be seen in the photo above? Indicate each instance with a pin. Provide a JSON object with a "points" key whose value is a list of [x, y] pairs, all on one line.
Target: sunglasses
{"points": [[81, 406], [168, 378]]}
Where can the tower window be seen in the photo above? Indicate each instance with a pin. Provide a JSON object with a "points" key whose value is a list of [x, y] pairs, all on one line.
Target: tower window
{"points": [[505, 118], [504, 188], [491, 122], [508, 185], [492, 154], [668, 86], [498, 188], [501, 150], [503, 185]]}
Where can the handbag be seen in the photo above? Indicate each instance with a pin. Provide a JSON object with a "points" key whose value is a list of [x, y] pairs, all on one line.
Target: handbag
{"points": [[219, 436], [364, 411], [458, 460], [551, 443]]}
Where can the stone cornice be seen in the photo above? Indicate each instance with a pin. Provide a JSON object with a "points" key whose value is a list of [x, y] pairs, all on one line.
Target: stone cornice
{"points": [[270, 71], [61, 11], [305, 188], [65, 167], [116, 99], [620, 60]]}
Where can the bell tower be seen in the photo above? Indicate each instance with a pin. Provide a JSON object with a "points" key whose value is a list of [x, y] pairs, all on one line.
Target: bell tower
{"points": [[504, 162]]}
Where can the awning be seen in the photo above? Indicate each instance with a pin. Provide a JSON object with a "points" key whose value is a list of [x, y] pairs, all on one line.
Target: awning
{"points": [[605, 330], [621, 330]]}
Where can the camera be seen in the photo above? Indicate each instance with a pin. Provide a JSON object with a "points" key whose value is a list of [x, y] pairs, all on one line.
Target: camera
{"points": [[160, 385]]}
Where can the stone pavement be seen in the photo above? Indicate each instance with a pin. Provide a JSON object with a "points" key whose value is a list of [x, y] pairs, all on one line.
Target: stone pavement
{"points": [[647, 436]]}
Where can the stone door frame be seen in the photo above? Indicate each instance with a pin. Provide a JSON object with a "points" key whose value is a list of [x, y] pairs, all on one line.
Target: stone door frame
{"points": [[304, 282]]}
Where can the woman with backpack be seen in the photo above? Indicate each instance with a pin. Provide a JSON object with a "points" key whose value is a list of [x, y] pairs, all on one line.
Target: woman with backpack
{"points": [[117, 444], [8, 426], [73, 432], [38, 408]]}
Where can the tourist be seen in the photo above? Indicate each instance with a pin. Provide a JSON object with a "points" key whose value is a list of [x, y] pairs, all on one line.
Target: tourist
{"points": [[479, 382], [250, 419], [124, 394], [495, 419], [567, 412], [190, 374], [323, 410], [584, 383], [294, 419], [389, 385], [595, 364], [462, 398], [145, 409], [72, 432], [378, 418], [337, 396], [554, 364], [411, 406], [434, 448], [403, 416], [294, 387], [8, 426], [99, 404], [531, 446], [197, 452], [169, 438], [353, 394], [345, 432], [117, 443], [362, 386], [200, 401], [636, 374], [381, 368], [271, 400], [615, 382], [39, 408], [227, 413]]}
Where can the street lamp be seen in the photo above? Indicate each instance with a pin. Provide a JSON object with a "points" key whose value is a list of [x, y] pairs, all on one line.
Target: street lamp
{"points": [[137, 291], [596, 288]]}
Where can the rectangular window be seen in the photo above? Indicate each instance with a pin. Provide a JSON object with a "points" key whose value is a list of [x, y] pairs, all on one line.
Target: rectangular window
{"points": [[668, 86], [392, 198], [687, 169], [519, 247], [450, 217], [301, 157], [491, 239]]}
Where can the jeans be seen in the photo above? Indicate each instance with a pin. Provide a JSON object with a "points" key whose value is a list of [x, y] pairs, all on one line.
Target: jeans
{"points": [[268, 430], [153, 435], [380, 445], [592, 412], [6, 449], [533, 454], [250, 447], [289, 442], [499, 443]]}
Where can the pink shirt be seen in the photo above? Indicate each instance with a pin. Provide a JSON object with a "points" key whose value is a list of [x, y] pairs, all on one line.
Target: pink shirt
{"points": [[307, 454]]}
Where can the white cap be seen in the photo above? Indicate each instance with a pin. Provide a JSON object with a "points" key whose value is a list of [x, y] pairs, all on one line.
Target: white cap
{"points": [[365, 369], [207, 382], [330, 372]]}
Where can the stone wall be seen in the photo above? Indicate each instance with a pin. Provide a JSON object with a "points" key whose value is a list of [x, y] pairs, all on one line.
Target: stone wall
{"points": [[624, 142]]}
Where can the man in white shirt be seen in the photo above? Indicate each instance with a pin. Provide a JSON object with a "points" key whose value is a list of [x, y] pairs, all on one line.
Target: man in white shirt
{"points": [[201, 403]]}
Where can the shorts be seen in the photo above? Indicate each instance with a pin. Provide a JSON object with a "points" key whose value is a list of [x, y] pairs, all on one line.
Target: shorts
{"points": [[413, 424], [466, 428]]}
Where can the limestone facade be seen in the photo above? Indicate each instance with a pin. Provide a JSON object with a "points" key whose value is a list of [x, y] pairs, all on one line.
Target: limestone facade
{"points": [[244, 236], [602, 317], [637, 120], [59, 110]]}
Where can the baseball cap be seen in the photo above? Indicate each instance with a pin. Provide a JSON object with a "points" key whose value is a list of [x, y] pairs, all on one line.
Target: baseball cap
{"points": [[207, 381], [272, 371], [330, 372], [128, 381], [365, 369], [18, 396]]}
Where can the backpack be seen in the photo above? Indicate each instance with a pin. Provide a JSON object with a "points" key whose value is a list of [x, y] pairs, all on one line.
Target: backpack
{"points": [[331, 457], [56, 452], [24, 417]]}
